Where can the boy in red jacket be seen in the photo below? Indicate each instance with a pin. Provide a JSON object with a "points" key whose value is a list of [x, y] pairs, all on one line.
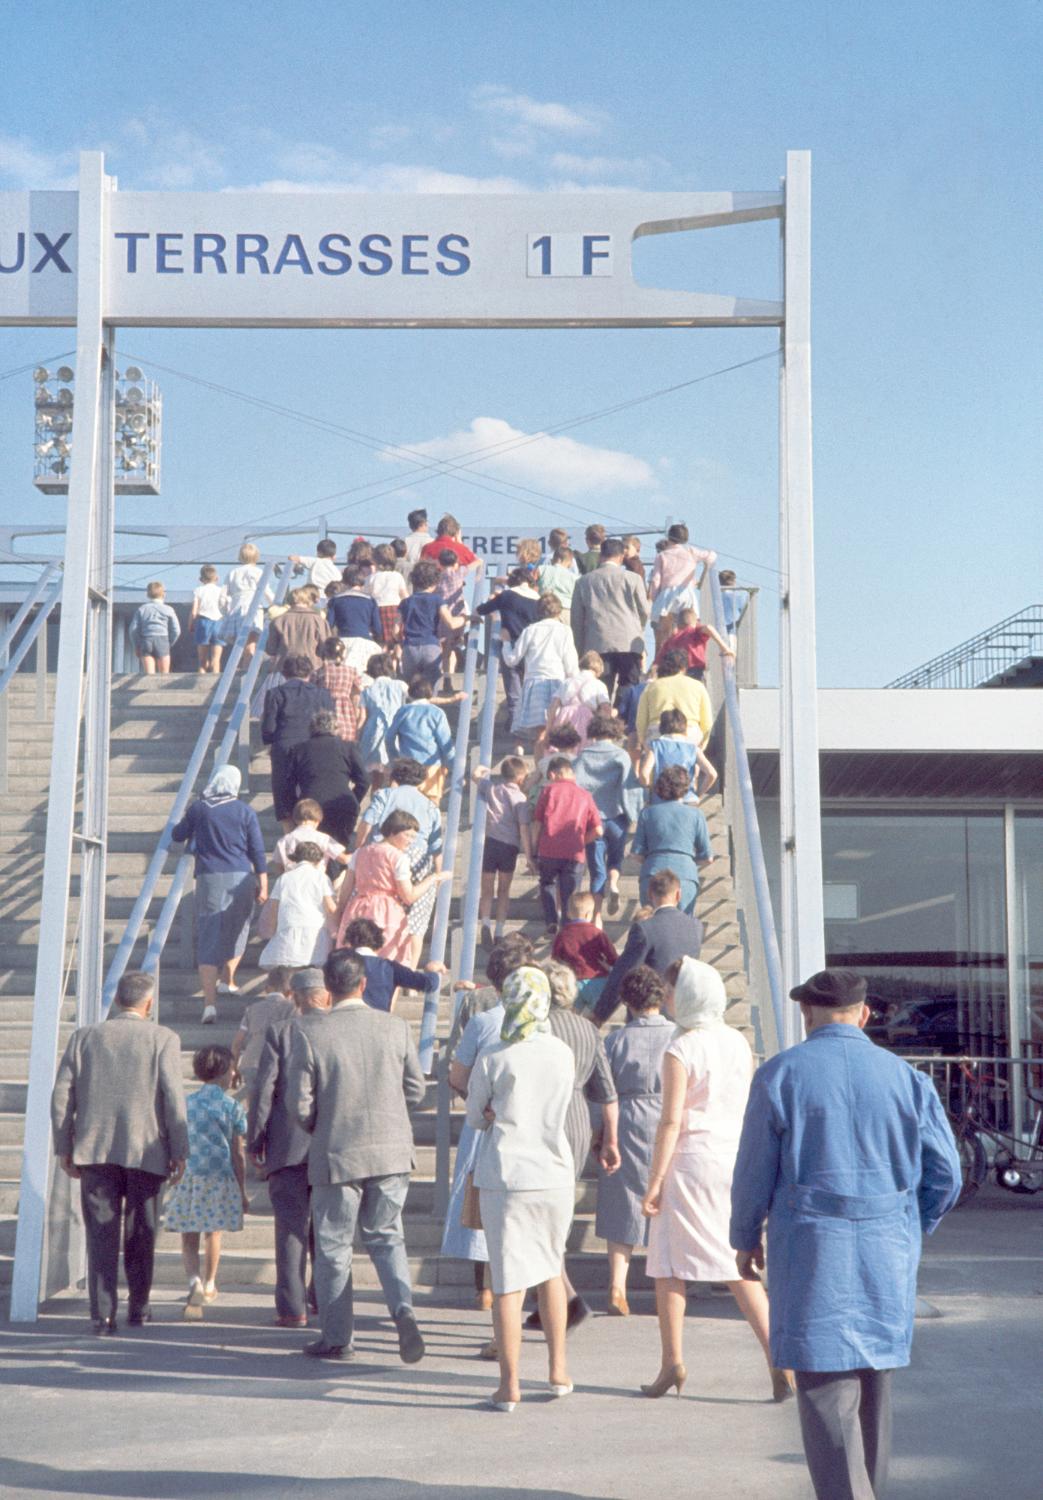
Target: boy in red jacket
{"points": [[583, 946], [565, 821], [691, 638]]}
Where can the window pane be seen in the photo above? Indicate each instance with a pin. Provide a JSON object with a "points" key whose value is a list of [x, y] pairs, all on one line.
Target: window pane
{"points": [[919, 909], [1028, 875]]}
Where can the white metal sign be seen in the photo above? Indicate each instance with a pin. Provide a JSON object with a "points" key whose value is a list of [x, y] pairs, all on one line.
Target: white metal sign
{"points": [[362, 260]]}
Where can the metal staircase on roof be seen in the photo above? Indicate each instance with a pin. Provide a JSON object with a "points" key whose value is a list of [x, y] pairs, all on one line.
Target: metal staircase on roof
{"points": [[1009, 654]]}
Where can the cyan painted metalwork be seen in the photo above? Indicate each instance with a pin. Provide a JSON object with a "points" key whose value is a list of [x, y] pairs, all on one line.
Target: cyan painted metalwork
{"points": [[30, 601], [122, 955], [460, 771], [751, 826], [987, 658], [24, 646]]}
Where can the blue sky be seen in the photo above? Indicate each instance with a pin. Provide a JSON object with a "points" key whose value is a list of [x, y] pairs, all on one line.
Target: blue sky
{"points": [[923, 123]]}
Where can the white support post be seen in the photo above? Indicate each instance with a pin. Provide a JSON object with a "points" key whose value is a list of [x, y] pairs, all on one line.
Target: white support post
{"points": [[803, 938], [89, 519]]}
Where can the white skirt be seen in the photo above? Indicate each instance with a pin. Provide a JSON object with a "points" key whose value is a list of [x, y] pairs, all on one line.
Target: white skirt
{"points": [[671, 601], [525, 1233], [688, 1238]]}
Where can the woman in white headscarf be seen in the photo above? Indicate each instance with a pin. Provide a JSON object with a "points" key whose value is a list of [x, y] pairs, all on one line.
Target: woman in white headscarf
{"points": [[518, 1095], [231, 875], [706, 1079]]}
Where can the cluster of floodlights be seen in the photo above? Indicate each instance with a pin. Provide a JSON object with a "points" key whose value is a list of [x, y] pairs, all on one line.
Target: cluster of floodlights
{"points": [[137, 432]]}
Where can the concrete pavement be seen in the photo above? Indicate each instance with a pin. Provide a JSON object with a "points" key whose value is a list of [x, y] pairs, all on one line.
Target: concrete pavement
{"points": [[229, 1408]]}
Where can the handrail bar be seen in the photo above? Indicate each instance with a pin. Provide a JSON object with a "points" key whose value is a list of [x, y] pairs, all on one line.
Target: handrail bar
{"points": [[486, 732], [440, 927], [159, 858], [958, 656], [762, 891], [168, 911], [31, 599], [20, 652]]}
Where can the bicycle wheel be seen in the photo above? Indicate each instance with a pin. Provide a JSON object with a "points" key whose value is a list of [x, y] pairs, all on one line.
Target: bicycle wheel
{"points": [[974, 1164]]}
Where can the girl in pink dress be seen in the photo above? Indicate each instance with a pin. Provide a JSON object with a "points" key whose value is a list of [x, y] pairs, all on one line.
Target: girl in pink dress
{"points": [[706, 1080], [378, 886]]}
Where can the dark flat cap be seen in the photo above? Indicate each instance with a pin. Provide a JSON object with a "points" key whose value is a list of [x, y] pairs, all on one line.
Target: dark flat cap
{"points": [[308, 979], [834, 989]]}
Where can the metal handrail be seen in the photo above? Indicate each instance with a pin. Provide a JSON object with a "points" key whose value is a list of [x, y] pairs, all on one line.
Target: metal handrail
{"points": [[440, 927], [486, 732], [24, 645], [987, 651], [755, 848], [222, 755], [121, 958], [31, 599]]}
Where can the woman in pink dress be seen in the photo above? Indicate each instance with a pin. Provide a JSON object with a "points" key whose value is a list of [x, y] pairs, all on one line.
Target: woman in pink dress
{"points": [[378, 885], [706, 1079]]}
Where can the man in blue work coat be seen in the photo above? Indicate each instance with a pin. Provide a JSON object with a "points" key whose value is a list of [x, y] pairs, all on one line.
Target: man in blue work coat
{"points": [[847, 1153]]}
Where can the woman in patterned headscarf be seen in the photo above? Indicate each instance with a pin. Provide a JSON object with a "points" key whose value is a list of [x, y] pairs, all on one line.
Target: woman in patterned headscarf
{"points": [[518, 1095]]}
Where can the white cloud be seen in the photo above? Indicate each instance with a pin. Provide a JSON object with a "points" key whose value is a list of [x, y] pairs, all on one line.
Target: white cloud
{"points": [[559, 464], [23, 165], [389, 177], [592, 167], [545, 116]]}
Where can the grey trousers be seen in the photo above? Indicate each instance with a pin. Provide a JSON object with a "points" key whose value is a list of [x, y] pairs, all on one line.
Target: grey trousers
{"points": [[845, 1421], [291, 1208], [375, 1205]]}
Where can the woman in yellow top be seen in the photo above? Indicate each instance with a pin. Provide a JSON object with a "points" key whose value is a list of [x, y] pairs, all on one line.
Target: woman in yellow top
{"points": [[673, 688]]}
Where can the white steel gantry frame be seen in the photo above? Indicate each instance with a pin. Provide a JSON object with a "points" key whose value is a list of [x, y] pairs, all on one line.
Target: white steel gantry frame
{"points": [[84, 662]]}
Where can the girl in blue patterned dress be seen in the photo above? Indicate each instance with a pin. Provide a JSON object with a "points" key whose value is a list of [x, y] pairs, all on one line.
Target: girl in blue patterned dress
{"points": [[211, 1196]]}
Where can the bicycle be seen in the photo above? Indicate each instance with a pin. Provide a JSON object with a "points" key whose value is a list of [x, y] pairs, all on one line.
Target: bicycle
{"points": [[1016, 1164]]}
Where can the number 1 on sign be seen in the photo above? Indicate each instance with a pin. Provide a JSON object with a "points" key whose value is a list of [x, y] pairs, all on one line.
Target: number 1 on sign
{"points": [[570, 255]]}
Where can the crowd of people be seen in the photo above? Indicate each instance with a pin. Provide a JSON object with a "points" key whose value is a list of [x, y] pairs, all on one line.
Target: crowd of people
{"points": [[842, 1149]]}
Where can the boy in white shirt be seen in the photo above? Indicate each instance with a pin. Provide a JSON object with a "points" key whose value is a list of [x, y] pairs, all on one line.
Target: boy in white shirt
{"points": [[206, 619], [322, 568]]}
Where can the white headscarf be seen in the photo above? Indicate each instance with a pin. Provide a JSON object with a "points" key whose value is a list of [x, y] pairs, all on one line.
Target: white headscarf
{"points": [[223, 785], [699, 996]]}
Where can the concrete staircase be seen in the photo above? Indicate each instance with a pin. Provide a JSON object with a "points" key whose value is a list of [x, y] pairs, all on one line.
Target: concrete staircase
{"points": [[155, 723]]}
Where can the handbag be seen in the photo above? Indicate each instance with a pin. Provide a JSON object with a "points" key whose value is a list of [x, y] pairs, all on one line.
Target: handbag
{"points": [[267, 920], [470, 1209]]}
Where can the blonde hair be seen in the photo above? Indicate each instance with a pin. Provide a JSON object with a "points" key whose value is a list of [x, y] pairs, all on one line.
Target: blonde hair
{"points": [[528, 550], [581, 906], [592, 661], [155, 590], [248, 553]]}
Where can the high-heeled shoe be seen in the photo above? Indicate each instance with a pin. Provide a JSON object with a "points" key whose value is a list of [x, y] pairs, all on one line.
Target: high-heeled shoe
{"points": [[783, 1385], [675, 1376], [560, 1390], [618, 1305]]}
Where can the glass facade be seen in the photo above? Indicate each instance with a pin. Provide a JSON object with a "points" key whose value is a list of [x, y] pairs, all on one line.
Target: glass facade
{"points": [[1028, 926], [917, 900], [917, 903]]}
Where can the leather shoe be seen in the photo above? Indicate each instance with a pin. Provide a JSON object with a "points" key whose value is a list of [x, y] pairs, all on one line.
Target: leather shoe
{"points": [[104, 1326], [289, 1321], [618, 1305], [141, 1316], [319, 1349], [577, 1311], [410, 1339]]}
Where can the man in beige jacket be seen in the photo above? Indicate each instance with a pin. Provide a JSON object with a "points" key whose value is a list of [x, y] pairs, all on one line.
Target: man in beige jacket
{"points": [[119, 1125]]}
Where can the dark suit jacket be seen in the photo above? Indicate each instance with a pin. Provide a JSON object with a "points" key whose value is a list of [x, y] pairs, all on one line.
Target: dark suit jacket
{"points": [[326, 767], [288, 711], [666, 935], [272, 1128]]}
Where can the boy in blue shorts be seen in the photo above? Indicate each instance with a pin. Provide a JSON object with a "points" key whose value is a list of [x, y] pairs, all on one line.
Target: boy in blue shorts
{"points": [[205, 619]]}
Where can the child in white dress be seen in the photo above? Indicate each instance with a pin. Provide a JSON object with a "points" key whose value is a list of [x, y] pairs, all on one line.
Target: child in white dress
{"points": [[303, 900]]}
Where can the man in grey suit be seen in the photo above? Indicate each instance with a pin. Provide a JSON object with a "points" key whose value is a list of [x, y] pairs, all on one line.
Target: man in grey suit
{"points": [[658, 940], [276, 1141], [353, 1080], [609, 613], [119, 1125]]}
